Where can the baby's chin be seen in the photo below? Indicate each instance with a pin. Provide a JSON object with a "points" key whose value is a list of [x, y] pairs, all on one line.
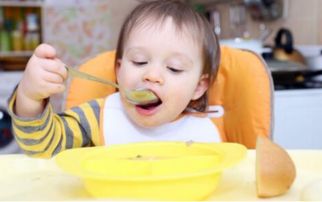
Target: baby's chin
{"points": [[153, 121], [148, 122]]}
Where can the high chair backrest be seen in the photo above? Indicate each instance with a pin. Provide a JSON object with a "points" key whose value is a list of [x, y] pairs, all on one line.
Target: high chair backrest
{"points": [[243, 88]]}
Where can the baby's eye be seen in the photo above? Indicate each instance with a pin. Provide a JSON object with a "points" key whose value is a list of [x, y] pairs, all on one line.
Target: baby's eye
{"points": [[175, 70], [139, 63]]}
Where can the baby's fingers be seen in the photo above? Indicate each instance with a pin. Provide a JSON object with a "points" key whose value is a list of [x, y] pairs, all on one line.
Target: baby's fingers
{"points": [[45, 51], [53, 78], [54, 88], [56, 67]]}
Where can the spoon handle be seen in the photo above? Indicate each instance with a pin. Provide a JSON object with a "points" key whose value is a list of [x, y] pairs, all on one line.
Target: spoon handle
{"points": [[78, 74]]}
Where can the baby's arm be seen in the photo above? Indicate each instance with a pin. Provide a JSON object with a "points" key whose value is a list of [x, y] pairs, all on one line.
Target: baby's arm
{"points": [[51, 133], [38, 130], [44, 75]]}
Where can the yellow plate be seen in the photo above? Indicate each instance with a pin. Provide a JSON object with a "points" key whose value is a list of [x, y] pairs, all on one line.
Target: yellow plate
{"points": [[152, 170]]}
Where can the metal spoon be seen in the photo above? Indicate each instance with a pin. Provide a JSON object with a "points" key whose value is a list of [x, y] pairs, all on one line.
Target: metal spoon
{"points": [[137, 96]]}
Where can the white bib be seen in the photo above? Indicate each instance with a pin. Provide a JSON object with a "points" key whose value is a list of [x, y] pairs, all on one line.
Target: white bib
{"points": [[119, 129]]}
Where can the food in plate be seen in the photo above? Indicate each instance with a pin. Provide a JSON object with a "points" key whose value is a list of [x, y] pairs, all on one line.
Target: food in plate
{"points": [[275, 170]]}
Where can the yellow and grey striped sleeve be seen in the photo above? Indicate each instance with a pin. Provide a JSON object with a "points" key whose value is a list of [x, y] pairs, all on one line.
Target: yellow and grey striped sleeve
{"points": [[50, 133]]}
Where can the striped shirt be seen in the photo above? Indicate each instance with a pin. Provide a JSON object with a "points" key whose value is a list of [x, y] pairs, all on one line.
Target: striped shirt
{"points": [[50, 133]]}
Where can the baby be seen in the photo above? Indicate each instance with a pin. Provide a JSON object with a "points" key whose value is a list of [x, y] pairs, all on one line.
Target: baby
{"points": [[164, 46]]}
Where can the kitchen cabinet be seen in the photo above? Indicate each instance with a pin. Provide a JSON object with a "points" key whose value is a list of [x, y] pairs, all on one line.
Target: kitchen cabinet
{"points": [[298, 119], [20, 31]]}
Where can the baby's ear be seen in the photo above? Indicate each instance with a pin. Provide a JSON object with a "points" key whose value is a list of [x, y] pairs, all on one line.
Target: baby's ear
{"points": [[202, 86]]}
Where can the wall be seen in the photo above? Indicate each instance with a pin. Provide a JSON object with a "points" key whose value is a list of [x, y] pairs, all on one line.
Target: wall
{"points": [[81, 29], [303, 18]]}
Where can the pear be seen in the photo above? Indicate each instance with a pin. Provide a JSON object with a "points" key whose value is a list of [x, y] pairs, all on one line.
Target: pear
{"points": [[275, 170]]}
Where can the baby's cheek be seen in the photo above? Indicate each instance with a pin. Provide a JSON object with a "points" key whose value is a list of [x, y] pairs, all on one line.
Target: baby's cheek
{"points": [[178, 105], [126, 82]]}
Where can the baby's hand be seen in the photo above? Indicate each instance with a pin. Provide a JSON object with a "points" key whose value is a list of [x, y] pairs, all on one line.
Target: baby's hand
{"points": [[44, 74]]}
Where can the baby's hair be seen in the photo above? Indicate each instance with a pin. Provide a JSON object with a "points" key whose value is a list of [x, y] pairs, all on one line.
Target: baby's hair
{"points": [[186, 20]]}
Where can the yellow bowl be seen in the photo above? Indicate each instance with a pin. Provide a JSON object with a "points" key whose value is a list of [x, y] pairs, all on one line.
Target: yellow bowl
{"points": [[152, 170]]}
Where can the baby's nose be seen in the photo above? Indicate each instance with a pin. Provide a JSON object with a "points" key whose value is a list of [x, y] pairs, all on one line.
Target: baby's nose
{"points": [[153, 75]]}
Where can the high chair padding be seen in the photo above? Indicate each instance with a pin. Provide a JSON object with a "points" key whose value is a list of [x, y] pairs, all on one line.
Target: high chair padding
{"points": [[81, 90], [243, 88]]}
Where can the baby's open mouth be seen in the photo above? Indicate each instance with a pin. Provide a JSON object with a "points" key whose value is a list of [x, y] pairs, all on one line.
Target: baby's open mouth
{"points": [[150, 106]]}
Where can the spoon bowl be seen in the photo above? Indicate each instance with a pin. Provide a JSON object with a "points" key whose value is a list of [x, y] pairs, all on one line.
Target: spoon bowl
{"points": [[139, 96]]}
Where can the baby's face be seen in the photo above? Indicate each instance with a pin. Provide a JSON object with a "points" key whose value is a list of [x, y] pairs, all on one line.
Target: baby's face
{"points": [[166, 61]]}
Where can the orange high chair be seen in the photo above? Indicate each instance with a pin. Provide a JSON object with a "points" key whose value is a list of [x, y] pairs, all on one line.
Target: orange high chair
{"points": [[243, 88]]}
